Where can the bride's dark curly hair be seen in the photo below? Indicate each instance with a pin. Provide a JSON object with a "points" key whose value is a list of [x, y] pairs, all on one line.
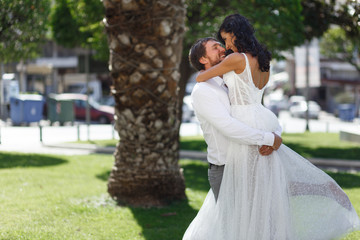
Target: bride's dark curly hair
{"points": [[245, 39]]}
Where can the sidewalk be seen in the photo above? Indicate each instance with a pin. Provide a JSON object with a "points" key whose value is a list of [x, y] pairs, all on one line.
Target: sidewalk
{"points": [[327, 164], [56, 140]]}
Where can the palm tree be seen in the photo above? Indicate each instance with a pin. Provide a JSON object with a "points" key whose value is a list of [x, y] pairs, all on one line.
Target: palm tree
{"points": [[145, 41]]}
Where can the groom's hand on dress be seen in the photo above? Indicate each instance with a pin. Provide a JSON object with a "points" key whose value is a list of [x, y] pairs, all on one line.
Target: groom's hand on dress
{"points": [[277, 142], [266, 150]]}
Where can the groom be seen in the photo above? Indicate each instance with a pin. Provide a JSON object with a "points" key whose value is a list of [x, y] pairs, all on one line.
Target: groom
{"points": [[212, 108]]}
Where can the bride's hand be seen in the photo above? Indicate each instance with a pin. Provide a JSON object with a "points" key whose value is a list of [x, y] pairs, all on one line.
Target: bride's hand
{"points": [[277, 142], [266, 150]]}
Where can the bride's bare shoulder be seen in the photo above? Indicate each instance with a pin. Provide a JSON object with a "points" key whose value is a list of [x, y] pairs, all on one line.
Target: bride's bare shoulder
{"points": [[239, 60], [236, 56]]}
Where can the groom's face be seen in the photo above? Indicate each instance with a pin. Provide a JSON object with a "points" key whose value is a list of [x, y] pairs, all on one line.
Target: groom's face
{"points": [[215, 53]]}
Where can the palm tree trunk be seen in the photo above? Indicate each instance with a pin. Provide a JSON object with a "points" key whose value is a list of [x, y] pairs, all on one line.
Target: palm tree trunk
{"points": [[145, 41]]}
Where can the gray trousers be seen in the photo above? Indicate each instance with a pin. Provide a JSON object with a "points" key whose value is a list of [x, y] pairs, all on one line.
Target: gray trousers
{"points": [[215, 174]]}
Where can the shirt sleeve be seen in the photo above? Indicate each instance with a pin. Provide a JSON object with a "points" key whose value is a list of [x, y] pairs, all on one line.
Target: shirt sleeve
{"points": [[278, 131], [210, 108]]}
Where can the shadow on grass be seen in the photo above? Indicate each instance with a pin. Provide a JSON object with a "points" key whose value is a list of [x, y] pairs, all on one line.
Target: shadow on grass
{"points": [[193, 144], [12, 160], [170, 222], [334, 152], [104, 176], [346, 180], [166, 223], [326, 152], [196, 175]]}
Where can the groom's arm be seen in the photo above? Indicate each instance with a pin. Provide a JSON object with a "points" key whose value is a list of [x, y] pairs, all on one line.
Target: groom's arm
{"points": [[210, 108]]}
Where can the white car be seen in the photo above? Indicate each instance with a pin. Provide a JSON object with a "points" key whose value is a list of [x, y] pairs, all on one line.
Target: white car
{"points": [[293, 100], [298, 109]]}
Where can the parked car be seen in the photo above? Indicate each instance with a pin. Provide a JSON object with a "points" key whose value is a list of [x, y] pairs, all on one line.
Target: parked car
{"points": [[100, 113], [294, 100], [298, 109], [276, 101]]}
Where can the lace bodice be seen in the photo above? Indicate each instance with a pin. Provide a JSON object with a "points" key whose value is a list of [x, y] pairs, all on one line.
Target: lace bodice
{"points": [[242, 90]]}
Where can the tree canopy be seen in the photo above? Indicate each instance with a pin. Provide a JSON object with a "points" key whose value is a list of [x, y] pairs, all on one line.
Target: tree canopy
{"points": [[78, 23], [339, 42], [319, 15], [336, 45], [278, 24], [23, 26]]}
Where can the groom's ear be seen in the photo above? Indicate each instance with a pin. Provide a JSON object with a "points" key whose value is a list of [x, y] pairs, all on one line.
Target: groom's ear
{"points": [[203, 60]]}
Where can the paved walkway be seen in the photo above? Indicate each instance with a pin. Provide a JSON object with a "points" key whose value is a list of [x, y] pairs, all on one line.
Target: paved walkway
{"points": [[55, 140], [83, 149]]}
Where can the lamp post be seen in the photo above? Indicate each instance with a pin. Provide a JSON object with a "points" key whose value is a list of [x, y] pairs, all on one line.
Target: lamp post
{"points": [[2, 104], [87, 63], [307, 43]]}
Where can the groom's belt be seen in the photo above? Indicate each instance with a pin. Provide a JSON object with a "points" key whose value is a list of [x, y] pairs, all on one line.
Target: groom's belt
{"points": [[215, 166]]}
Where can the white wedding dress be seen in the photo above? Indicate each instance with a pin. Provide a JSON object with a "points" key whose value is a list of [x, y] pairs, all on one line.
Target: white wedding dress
{"points": [[277, 197]]}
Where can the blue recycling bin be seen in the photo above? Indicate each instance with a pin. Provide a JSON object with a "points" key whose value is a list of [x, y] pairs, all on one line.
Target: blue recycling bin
{"points": [[346, 112], [26, 108]]}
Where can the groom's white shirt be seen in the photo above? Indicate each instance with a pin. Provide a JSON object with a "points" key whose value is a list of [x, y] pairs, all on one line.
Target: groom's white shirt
{"points": [[212, 108]]}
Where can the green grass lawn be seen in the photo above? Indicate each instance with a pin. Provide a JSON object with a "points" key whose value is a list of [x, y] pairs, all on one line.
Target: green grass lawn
{"points": [[309, 145], [65, 197]]}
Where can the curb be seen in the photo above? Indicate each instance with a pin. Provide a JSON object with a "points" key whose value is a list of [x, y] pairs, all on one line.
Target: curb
{"points": [[197, 155], [335, 162], [90, 147]]}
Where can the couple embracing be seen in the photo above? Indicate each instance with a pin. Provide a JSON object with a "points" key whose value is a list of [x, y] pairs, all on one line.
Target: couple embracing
{"points": [[260, 188]]}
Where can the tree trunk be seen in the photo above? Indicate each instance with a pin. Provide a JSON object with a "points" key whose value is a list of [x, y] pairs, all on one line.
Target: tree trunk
{"points": [[145, 41]]}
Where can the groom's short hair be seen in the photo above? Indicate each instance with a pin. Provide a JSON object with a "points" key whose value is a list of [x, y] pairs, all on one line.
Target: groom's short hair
{"points": [[197, 51]]}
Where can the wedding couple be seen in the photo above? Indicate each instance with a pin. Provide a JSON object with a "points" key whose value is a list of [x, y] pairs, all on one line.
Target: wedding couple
{"points": [[260, 189]]}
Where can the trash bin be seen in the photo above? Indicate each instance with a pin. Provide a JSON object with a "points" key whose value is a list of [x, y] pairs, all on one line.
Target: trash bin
{"points": [[346, 112], [26, 108], [60, 110]]}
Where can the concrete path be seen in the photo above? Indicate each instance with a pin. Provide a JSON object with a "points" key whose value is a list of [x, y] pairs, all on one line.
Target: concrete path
{"points": [[334, 165], [27, 140]]}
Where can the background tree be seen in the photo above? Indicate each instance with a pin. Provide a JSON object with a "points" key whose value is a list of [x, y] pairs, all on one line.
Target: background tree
{"points": [[341, 41], [145, 41], [336, 45], [319, 15], [22, 28], [64, 26], [78, 23]]}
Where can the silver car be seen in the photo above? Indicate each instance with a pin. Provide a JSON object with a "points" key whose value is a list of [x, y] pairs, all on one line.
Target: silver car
{"points": [[298, 109]]}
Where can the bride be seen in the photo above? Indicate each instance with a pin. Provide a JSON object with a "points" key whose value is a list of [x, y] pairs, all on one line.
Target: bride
{"points": [[277, 197]]}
